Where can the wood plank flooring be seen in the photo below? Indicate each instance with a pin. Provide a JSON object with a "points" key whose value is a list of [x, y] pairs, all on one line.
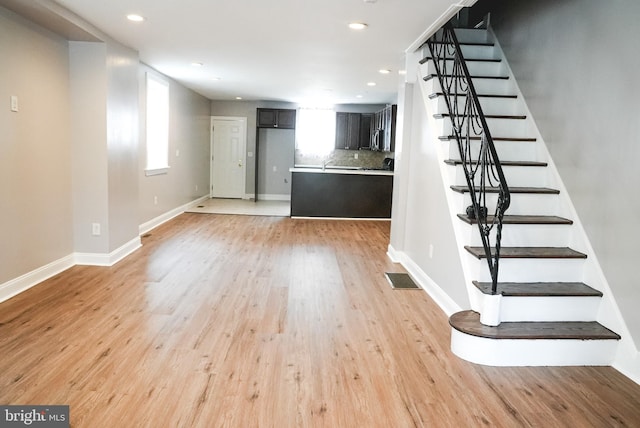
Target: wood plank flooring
{"points": [[241, 321]]}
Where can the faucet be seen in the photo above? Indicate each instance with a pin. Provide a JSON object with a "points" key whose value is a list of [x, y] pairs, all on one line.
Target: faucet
{"points": [[326, 162]]}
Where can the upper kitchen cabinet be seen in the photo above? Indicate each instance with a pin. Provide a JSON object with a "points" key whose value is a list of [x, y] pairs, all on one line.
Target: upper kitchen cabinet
{"points": [[347, 131], [383, 129], [276, 118], [353, 130]]}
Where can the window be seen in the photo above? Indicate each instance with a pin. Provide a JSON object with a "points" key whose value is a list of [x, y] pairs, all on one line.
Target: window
{"points": [[157, 126], [315, 131]]}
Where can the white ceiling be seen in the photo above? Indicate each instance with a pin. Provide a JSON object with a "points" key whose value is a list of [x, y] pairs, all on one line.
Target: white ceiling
{"points": [[283, 50]]}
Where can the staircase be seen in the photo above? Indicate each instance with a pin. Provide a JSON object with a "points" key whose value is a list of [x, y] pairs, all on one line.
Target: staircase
{"points": [[543, 312]]}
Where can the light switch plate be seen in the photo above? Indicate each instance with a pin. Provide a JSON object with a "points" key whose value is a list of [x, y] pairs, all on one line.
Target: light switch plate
{"points": [[14, 103]]}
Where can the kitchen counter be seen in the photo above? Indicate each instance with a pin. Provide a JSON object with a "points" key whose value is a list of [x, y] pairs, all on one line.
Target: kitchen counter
{"points": [[341, 170], [341, 192]]}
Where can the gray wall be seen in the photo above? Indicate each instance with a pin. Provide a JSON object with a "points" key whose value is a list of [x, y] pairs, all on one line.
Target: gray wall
{"points": [[35, 150], [71, 155], [189, 151], [419, 218], [577, 64], [89, 145], [277, 153]]}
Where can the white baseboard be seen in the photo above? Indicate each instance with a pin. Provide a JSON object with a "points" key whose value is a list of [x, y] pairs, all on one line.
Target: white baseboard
{"points": [[273, 197], [441, 298], [155, 222], [36, 276], [99, 259]]}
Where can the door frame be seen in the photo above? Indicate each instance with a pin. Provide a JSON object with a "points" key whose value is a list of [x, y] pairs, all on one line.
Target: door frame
{"points": [[244, 152]]}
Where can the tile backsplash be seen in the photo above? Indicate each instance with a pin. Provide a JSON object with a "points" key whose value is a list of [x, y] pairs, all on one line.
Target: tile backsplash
{"points": [[366, 158]]}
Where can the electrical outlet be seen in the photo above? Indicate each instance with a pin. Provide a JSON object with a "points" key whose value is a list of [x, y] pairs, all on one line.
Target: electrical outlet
{"points": [[196, 187], [355, 156], [155, 200], [430, 251], [95, 229]]}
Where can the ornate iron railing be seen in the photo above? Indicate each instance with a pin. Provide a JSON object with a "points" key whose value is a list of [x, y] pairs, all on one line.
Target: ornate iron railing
{"points": [[480, 162]]}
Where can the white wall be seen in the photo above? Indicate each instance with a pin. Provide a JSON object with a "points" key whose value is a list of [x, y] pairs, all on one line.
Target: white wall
{"points": [[36, 225], [577, 64]]}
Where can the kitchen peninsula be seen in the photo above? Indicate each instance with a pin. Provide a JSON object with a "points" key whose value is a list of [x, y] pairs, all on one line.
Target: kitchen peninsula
{"points": [[341, 192]]}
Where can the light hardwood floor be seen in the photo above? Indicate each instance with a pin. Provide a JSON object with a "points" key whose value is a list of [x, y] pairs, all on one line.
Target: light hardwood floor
{"points": [[241, 321]]}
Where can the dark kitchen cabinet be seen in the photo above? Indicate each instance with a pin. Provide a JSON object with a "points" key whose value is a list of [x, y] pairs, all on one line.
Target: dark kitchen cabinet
{"points": [[276, 118], [365, 130], [347, 131], [383, 129]]}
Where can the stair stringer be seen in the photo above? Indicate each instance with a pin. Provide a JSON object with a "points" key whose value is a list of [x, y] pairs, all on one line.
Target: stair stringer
{"points": [[499, 352]]}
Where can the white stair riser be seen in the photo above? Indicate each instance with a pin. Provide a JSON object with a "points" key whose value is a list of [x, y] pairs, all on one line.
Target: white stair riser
{"points": [[524, 235], [529, 270], [549, 308], [521, 352], [517, 176], [482, 86], [507, 150], [508, 106], [510, 128], [521, 203], [469, 51], [469, 35], [476, 68]]}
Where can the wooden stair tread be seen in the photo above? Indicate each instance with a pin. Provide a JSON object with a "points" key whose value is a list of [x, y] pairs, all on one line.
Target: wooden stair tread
{"points": [[432, 75], [540, 289], [487, 116], [520, 139], [469, 322], [530, 190], [521, 219], [428, 58], [441, 94], [456, 162], [468, 43], [529, 252]]}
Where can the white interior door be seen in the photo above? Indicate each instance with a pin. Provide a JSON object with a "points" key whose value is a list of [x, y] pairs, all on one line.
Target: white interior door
{"points": [[228, 156]]}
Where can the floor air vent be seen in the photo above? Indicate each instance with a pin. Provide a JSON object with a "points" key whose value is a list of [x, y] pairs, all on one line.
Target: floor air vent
{"points": [[401, 281]]}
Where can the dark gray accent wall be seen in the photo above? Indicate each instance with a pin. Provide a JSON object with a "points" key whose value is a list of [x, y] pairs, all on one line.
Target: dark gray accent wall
{"points": [[577, 62]]}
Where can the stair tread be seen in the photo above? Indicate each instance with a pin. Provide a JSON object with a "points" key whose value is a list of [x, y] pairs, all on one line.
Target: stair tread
{"points": [[432, 75], [468, 43], [441, 94], [522, 219], [523, 139], [532, 190], [529, 252], [502, 162], [428, 58], [540, 289], [487, 116], [469, 322]]}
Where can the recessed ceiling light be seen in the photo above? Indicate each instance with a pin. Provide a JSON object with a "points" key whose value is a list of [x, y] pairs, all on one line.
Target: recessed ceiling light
{"points": [[402, 72], [197, 64], [135, 17], [371, 83], [384, 71], [357, 25], [238, 98], [358, 96]]}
